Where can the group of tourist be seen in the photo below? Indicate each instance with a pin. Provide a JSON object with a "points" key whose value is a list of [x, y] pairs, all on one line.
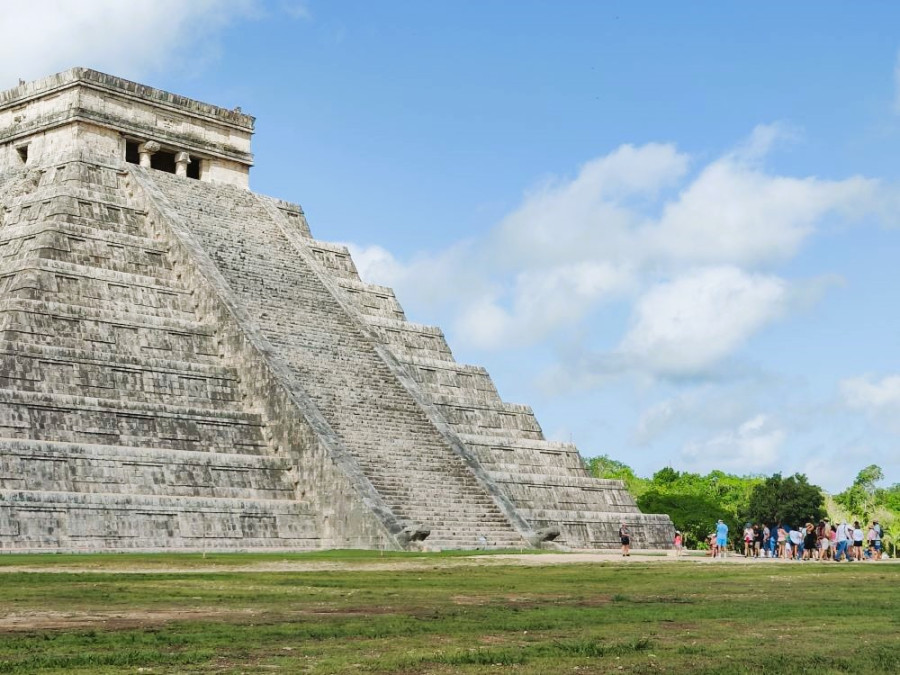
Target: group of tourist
{"points": [[844, 542]]}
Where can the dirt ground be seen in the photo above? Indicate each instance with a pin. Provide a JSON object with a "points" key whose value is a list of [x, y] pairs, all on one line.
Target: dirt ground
{"points": [[32, 620], [396, 564]]}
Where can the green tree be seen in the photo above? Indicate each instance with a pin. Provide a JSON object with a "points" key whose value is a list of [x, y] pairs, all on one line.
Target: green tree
{"points": [[695, 502], [890, 498], [694, 515], [891, 538], [792, 500], [606, 467], [862, 498], [868, 477], [665, 476]]}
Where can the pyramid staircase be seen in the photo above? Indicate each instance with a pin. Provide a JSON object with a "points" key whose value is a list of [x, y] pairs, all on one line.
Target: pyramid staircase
{"points": [[368, 412]]}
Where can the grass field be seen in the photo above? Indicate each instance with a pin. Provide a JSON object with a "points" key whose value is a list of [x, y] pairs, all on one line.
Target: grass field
{"points": [[362, 612]]}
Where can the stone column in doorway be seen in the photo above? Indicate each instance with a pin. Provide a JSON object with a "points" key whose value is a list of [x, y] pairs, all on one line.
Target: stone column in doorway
{"points": [[146, 150], [182, 159]]}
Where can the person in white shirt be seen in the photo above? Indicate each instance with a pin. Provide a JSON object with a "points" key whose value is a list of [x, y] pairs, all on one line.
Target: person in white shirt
{"points": [[857, 541], [748, 540], [841, 542], [796, 537]]}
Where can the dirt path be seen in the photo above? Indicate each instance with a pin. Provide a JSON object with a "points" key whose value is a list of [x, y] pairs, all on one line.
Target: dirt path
{"points": [[399, 564]]}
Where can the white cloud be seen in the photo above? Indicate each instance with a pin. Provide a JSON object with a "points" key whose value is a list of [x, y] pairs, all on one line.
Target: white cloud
{"points": [[377, 263], [454, 278], [862, 393], [297, 9], [612, 233], [687, 325], [709, 406], [660, 417], [588, 217], [878, 399], [762, 140], [753, 447], [128, 39], [541, 302], [735, 213]]}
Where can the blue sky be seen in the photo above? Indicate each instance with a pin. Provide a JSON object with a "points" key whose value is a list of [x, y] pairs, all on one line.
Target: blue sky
{"points": [[670, 228]]}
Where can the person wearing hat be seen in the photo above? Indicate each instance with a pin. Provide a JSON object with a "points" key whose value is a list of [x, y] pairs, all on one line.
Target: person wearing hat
{"points": [[678, 541]]}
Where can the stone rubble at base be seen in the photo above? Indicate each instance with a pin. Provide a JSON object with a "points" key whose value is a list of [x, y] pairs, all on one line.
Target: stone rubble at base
{"points": [[185, 367]]}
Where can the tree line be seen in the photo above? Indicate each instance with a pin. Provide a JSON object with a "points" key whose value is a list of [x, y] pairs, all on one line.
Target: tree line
{"points": [[695, 502]]}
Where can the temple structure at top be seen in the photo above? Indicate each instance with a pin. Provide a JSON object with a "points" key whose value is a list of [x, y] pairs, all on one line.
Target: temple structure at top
{"points": [[113, 118], [183, 366]]}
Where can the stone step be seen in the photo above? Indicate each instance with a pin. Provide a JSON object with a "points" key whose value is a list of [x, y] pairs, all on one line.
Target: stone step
{"points": [[76, 327], [99, 357], [631, 515], [572, 494], [84, 174], [552, 480], [442, 525], [77, 467], [87, 213], [56, 417], [50, 373], [88, 246], [513, 433], [473, 543], [71, 283], [432, 494], [525, 455], [457, 397], [411, 340], [372, 300], [449, 508], [508, 419], [100, 203], [120, 316], [33, 520], [335, 258], [467, 493], [537, 444], [506, 464]]}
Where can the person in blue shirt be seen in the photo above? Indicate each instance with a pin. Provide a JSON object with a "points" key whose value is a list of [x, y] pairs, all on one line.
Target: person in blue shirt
{"points": [[721, 536]]}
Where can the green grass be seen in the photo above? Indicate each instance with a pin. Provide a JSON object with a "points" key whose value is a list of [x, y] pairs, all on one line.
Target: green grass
{"points": [[439, 613], [113, 561]]}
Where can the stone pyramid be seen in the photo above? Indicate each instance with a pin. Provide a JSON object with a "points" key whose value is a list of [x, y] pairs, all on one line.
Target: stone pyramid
{"points": [[185, 367]]}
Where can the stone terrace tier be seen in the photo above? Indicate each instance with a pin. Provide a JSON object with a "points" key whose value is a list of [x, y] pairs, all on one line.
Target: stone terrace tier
{"points": [[122, 424]]}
